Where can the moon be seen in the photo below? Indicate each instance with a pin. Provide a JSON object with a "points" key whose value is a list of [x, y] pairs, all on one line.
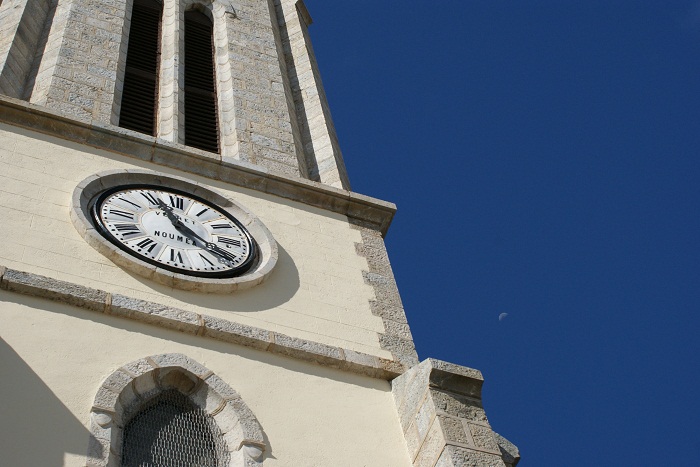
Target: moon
{"points": [[502, 316]]}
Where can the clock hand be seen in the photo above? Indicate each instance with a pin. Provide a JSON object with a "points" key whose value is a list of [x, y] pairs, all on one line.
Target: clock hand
{"points": [[168, 210], [177, 223]]}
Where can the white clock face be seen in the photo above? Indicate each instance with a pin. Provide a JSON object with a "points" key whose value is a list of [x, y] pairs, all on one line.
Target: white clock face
{"points": [[174, 230]]}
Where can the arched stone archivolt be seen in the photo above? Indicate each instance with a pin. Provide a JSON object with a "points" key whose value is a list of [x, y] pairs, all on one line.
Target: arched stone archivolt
{"points": [[126, 390]]}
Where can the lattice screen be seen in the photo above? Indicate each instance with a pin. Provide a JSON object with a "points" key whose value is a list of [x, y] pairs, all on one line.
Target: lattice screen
{"points": [[170, 431]]}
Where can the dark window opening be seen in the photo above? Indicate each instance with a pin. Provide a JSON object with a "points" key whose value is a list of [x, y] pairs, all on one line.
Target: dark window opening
{"points": [[200, 92], [170, 431], [140, 93]]}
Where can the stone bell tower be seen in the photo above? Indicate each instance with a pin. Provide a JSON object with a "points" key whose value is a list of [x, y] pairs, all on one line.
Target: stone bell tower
{"points": [[147, 149]]}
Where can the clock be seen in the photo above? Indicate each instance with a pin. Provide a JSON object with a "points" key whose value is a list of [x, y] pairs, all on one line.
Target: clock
{"points": [[174, 230]]}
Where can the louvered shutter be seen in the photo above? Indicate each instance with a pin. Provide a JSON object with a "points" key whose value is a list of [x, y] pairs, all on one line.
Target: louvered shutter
{"points": [[139, 96], [200, 92]]}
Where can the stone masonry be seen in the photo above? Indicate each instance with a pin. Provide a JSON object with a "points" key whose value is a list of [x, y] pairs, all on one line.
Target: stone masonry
{"points": [[21, 26], [397, 336], [272, 110], [443, 420], [319, 139], [77, 74]]}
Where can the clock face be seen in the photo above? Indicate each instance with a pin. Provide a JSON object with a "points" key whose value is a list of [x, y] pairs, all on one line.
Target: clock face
{"points": [[174, 230]]}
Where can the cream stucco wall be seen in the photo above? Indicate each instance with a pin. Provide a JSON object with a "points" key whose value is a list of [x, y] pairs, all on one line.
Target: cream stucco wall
{"points": [[316, 292], [53, 358]]}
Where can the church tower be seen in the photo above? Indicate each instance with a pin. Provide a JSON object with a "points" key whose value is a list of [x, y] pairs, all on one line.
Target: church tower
{"points": [[186, 276]]}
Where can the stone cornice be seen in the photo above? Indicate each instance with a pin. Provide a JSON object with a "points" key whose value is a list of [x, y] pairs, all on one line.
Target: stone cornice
{"points": [[198, 324], [371, 212]]}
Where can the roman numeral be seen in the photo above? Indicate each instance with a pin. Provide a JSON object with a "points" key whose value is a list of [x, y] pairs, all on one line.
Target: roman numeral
{"points": [[145, 242], [125, 214], [229, 241], [206, 259], [150, 198], [176, 202], [127, 201], [127, 229], [202, 211], [176, 257], [221, 226]]}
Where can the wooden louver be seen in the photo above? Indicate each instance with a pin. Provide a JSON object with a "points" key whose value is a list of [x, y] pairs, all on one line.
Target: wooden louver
{"points": [[200, 93], [139, 97]]}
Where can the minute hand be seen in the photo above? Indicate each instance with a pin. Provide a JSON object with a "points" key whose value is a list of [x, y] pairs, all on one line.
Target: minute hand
{"points": [[177, 223], [208, 245]]}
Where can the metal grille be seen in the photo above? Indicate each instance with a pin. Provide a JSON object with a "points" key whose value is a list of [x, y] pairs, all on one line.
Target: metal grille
{"points": [[138, 107], [200, 94], [170, 431]]}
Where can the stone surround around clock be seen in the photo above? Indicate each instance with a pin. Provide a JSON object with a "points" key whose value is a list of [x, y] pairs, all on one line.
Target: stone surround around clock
{"points": [[95, 184]]}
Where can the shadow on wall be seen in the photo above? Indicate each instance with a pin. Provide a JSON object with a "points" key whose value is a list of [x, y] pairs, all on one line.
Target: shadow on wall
{"points": [[35, 427], [278, 289]]}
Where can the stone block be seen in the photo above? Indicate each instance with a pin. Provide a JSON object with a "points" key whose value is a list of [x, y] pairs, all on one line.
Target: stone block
{"points": [[208, 400], [413, 441], [234, 440], [458, 406], [432, 446], [385, 310], [410, 390], [53, 289], [509, 451], [364, 363], [154, 313], [303, 349], [252, 432], [453, 429], [145, 385], [424, 418], [226, 419], [236, 333], [456, 378], [178, 360], [117, 381], [105, 399], [138, 367], [456, 456], [402, 349], [400, 330], [121, 140], [392, 368], [176, 378], [221, 388], [483, 437]]}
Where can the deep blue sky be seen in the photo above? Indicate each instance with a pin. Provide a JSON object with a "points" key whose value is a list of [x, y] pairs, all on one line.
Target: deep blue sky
{"points": [[544, 157]]}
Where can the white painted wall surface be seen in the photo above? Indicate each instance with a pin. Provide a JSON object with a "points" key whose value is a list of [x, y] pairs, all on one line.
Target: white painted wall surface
{"points": [[53, 358], [317, 291]]}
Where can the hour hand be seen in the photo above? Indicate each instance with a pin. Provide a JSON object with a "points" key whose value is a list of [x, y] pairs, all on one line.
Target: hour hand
{"points": [[209, 246], [187, 231], [224, 256], [168, 210]]}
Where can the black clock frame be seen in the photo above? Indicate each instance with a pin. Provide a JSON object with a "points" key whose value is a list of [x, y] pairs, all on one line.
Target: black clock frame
{"points": [[96, 203]]}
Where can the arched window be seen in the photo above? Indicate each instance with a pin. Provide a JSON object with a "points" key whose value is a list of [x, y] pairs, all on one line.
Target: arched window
{"points": [[201, 129], [173, 412], [139, 96], [170, 431]]}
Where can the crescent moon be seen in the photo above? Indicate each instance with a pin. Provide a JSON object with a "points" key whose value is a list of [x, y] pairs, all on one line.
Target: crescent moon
{"points": [[502, 316]]}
